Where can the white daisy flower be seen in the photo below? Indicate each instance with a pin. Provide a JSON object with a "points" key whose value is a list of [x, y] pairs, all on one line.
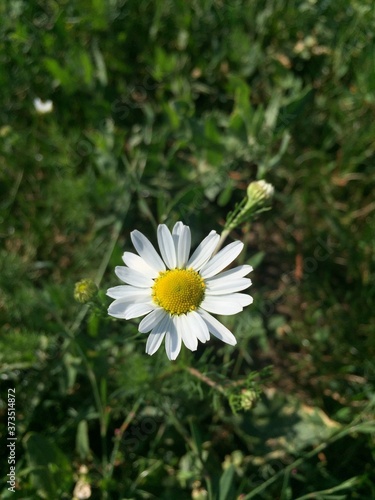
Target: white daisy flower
{"points": [[42, 107], [175, 293]]}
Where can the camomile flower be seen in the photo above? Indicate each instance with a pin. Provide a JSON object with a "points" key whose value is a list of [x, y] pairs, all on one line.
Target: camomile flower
{"points": [[42, 107], [177, 293]]}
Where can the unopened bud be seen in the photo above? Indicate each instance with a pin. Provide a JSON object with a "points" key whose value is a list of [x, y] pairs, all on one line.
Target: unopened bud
{"points": [[85, 290], [248, 399], [199, 494], [82, 490], [260, 191], [259, 195]]}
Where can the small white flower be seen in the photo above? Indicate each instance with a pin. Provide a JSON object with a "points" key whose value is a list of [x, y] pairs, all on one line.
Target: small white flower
{"points": [[177, 294], [43, 107]]}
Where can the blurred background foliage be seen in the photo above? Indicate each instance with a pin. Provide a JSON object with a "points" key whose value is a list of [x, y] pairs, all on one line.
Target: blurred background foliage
{"points": [[165, 111]]}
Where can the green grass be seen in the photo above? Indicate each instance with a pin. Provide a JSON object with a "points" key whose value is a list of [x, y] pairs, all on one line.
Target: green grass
{"points": [[165, 111]]}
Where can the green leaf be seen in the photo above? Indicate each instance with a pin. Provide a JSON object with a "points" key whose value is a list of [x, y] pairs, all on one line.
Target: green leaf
{"points": [[225, 484], [86, 67], [256, 259], [327, 494], [197, 438], [99, 17], [365, 428], [82, 440], [243, 113], [101, 69], [225, 195], [71, 364], [58, 72]]}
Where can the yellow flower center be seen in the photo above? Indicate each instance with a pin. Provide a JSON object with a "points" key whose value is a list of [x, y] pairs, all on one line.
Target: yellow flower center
{"points": [[178, 291]]}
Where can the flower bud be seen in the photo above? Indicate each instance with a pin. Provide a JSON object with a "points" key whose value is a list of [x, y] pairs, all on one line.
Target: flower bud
{"points": [[85, 290], [248, 399], [259, 195], [258, 191]]}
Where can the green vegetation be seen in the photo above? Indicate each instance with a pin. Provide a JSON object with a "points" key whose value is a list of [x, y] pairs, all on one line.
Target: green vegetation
{"points": [[165, 111]]}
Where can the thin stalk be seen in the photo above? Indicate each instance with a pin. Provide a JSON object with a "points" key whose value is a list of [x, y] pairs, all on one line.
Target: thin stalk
{"points": [[223, 237], [119, 435], [99, 275], [194, 448], [205, 379], [95, 389]]}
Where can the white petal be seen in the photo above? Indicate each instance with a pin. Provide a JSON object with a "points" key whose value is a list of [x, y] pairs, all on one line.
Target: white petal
{"points": [[136, 310], [153, 343], [151, 320], [166, 245], [226, 285], [218, 329], [226, 304], [122, 291], [157, 334], [136, 262], [183, 248], [121, 307], [118, 307], [204, 251], [221, 304], [236, 272], [243, 298], [133, 277], [172, 341], [177, 232], [183, 327], [221, 259], [147, 251], [199, 327], [177, 228]]}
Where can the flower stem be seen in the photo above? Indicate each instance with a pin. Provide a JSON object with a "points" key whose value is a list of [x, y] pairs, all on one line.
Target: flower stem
{"points": [[223, 237], [130, 416], [205, 379]]}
